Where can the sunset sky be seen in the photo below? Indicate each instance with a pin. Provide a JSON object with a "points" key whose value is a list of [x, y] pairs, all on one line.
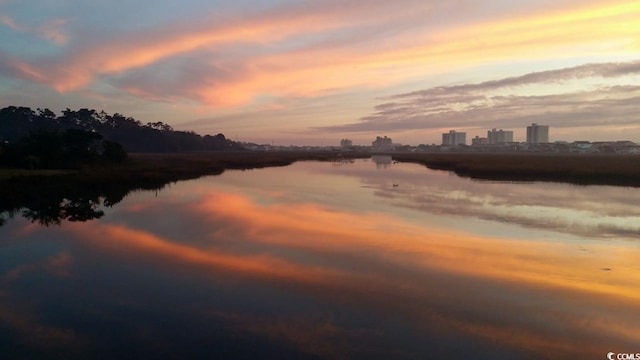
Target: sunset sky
{"points": [[313, 72]]}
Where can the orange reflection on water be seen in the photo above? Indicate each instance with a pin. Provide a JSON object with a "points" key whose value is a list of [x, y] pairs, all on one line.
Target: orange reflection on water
{"points": [[602, 269], [524, 294], [564, 271], [143, 244]]}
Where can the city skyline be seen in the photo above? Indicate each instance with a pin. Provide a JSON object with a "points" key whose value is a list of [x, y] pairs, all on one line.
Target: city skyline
{"points": [[307, 73]]}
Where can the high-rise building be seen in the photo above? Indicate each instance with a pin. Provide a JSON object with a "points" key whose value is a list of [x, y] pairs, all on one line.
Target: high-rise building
{"points": [[479, 141], [454, 138], [537, 134], [382, 143], [499, 136], [346, 143]]}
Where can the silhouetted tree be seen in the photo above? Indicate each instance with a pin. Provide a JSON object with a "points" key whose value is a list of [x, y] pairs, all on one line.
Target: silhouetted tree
{"points": [[15, 122], [113, 152], [52, 149], [18, 122]]}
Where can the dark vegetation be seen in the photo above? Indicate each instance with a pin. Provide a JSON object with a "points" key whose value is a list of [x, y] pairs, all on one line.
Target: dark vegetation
{"points": [[40, 139], [70, 166], [583, 169], [66, 149]]}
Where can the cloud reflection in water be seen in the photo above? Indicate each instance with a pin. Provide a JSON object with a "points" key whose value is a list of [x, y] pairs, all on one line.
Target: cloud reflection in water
{"points": [[525, 295], [312, 258]]}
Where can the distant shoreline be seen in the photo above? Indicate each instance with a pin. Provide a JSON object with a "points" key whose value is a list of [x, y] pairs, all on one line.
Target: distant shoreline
{"points": [[584, 169], [580, 169]]}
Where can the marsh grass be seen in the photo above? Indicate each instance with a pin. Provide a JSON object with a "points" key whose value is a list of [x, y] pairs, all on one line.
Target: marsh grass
{"points": [[602, 169]]}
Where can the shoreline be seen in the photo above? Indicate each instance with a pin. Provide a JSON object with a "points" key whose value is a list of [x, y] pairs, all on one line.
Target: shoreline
{"points": [[578, 169], [581, 169]]}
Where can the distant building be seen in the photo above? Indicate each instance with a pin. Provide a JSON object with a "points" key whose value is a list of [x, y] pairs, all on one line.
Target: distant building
{"points": [[454, 138], [537, 134], [479, 141], [382, 143], [499, 136], [346, 143]]}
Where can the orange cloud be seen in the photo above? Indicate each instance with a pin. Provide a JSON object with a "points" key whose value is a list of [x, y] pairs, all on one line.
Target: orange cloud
{"points": [[146, 49], [313, 72], [52, 31], [330, 65]]}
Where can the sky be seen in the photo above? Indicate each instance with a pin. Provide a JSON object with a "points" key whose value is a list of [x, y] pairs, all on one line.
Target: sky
{"points": [[314, 72]]}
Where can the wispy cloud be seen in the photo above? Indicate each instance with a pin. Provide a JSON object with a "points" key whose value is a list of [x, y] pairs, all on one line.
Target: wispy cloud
{"points": [[308, 48], [205, 34], [498, 103], [8, 22], [52, 30], [551, 76], [229, 59]]}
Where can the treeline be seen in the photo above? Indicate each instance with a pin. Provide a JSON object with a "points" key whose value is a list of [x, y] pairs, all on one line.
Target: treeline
{"points": [[16, 123], [53, 149]]}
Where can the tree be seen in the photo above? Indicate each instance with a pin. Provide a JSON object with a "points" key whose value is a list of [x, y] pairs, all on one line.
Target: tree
{"points": [[19, 122], [80, 146], [16, 122], [113, 152]]}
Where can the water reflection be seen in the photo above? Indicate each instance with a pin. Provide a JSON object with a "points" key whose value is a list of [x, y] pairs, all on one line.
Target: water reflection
{"points": [[382, 161], [592, 211], [50, 200], [322, 268]]}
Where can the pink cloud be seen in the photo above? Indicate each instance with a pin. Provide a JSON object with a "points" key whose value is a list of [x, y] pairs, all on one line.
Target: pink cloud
{"points": [[54, 31], [9, 22], [314, 48]]}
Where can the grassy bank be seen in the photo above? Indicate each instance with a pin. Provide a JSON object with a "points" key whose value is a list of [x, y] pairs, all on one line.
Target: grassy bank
{"points": [[164, 168], [169, 167], [601, 169], [180, 166]]}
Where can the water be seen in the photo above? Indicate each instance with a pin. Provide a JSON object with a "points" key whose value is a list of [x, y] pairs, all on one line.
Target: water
{"points": [[358, 259]]}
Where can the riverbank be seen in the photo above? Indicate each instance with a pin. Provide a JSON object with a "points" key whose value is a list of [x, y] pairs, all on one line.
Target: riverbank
{"points": [[583, 169], [157, 169], [182, 166], [177, 166]]}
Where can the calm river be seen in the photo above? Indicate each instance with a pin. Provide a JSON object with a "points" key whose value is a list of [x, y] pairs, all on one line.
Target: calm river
{"points": [[367, 259]]}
